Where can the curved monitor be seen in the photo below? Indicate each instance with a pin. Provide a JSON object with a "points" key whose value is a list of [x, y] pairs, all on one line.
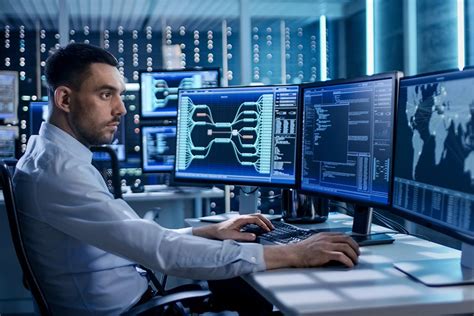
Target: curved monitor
{"points": [[346, 138], [159, 89], [238, 135], [434, 168]]}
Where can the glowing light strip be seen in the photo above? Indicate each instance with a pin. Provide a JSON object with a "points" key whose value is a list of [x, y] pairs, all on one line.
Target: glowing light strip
{"points": [[369, 4], [323, 48], [460, 18]]}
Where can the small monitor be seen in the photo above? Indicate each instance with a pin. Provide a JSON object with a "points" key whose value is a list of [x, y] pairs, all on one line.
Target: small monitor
{"points": [[158, 146], [159, 89], [9, 95], [8, 135], [347, 133], [238, 135], [434, 165]]}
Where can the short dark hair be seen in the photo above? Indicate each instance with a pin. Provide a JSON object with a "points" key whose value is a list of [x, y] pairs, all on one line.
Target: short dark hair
{"points": [[68, 65]]}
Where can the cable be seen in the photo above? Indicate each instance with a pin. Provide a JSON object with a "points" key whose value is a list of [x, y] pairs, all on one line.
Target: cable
{"points": [[250, 192]]}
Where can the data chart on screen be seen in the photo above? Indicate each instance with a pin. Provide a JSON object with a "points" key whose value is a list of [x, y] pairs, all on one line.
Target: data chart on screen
{"points": [[243, 135], [347, 132], [159, 89]]}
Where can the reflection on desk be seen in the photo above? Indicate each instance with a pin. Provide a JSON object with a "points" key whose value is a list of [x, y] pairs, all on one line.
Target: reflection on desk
{"points": [[373, 287]]}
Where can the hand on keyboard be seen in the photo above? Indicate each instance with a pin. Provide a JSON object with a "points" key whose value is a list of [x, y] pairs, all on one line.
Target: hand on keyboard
{"points": [[235, 228], [283, 234]]}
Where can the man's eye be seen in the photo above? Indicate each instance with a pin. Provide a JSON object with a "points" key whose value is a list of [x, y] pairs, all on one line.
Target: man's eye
{"points": [[106, 95]]}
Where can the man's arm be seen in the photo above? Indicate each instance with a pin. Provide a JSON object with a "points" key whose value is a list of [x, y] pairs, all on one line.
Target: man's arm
{"points": [[315, 251]]}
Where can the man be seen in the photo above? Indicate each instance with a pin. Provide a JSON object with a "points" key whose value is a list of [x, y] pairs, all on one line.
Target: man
{"points": [[83, 244]]}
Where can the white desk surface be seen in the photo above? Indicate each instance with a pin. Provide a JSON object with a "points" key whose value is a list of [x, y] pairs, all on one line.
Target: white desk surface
{"points": [[174, 194], [373, 287]]}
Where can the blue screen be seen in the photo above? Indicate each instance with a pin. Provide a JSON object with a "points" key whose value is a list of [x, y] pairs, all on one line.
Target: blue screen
{"points": [[158, 147], [434, 162], [159, 89], [238, 135], [8, 94], [347, 139], [38, 114], [8, 134]]}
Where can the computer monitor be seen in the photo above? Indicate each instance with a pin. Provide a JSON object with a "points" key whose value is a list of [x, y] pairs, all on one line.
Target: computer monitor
{"points": [[158, 146], [9, 95], [238, 135], [159, 89], [39, 113], [434, 167], [8, 135], [346, 142]]}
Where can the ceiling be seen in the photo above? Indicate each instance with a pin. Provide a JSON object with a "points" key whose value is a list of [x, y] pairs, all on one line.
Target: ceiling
{"points": [[138, 14]]}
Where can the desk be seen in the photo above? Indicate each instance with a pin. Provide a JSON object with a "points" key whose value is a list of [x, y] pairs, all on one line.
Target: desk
{"points": [[373, 287], [198, 195]]}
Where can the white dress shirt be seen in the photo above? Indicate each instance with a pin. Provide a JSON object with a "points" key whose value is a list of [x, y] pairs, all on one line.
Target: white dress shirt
{"points": [[84, 245]]}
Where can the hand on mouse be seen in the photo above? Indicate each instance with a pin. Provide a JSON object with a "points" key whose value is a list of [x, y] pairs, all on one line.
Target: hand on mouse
{"points": [[314, 251]]}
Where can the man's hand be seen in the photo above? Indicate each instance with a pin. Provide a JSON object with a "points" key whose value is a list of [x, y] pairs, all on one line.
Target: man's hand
{"points": [[314, 251], [230, 229]]}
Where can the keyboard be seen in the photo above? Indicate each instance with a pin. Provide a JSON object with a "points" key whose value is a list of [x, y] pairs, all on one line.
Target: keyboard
{"points": [[284, 234]]}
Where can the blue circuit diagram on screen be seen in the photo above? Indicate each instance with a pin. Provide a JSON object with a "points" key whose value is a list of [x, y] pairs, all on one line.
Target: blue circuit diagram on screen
{"points": [[249, 133]]}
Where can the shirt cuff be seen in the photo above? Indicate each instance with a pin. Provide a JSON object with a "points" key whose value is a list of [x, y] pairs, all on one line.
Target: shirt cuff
{"points": [[253, 253]]}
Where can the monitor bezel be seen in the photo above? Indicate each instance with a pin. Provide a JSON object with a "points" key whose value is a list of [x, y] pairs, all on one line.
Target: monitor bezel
{"points": [[157, 122], [421, 219], [164, 116], [395, 76], [241, 182]]}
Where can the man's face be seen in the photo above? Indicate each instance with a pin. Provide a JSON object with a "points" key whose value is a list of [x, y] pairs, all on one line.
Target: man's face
{"points": [[96, 107]]}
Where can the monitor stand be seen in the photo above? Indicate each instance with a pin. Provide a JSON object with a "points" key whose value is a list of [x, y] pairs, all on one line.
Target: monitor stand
{"points": [[303, 209], [442, 272], [361, 226], [248, 200]]}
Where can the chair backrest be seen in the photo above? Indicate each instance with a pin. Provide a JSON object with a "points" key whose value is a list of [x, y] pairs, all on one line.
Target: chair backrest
{"points": [[12, 214], [112, 179]]}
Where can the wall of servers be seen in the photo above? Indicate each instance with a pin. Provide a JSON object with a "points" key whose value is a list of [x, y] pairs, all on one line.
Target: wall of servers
{"points": [[24, 52], [274, 41]]}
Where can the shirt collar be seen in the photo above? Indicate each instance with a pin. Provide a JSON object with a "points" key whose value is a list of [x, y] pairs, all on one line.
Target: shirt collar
{"points": [[66, 141]]}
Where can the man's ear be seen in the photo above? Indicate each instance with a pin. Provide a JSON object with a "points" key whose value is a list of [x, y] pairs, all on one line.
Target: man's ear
{"points": [[62, 98]]}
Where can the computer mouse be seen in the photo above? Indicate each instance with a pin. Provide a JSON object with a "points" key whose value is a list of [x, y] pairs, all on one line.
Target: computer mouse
{"points": [[334, 264]]}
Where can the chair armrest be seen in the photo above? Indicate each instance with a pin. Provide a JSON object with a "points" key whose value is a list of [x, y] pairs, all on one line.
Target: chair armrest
{"points": [[161, 301]]}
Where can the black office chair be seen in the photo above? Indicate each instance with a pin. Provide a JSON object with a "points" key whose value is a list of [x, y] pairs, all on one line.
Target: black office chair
{"points": [[29, 278], [175, 300]]}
